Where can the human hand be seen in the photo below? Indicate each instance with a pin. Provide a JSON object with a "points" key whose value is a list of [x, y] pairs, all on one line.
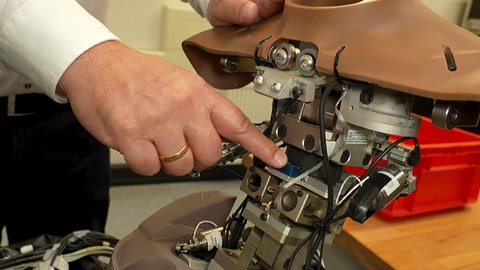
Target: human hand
{"points": [[241, 12], [146, 107]]}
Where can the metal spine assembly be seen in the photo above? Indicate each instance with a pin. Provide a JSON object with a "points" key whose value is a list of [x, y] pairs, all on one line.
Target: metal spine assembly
{"points": [[326, 124]]}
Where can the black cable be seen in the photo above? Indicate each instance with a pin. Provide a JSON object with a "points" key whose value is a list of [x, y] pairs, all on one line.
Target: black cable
{"points": [[388, 150], [314, 243], [232, 173], [323, 145], [93, 238], [330, 218], [274, 116], [237, 233], [236, 216], [297, 250], [317, 237], [323, 141], [320, 234], [61, 247], [69, 243], [259, 62], [27, 258], [322, 247], [331, 212]]}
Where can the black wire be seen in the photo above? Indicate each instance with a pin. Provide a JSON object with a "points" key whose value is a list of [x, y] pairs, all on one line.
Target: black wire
{"points": [[330, 218], [237, 233], [69, 242], [320, 260], [318, 239], [314, 243], [331, 212], [319, 235], [255, 54], [274, 116], [297, 250], [61, 247], [236, 216], [323, 141], [269, 129], [388, 150], [322, 247], [31, 257], [93, 238], [316, 236], [273, 113], [335, 64], [323, 145], [232, 173], [282, 111]]}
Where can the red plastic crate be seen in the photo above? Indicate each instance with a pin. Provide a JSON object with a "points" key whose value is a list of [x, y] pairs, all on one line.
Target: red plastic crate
{"points": [[448, 174]]}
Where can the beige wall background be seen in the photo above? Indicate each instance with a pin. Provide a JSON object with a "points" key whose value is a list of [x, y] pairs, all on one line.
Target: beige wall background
{"points": [[158, 27]]}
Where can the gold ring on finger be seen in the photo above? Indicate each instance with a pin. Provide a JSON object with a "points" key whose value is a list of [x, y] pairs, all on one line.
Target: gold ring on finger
{"points": [[176, 156]]}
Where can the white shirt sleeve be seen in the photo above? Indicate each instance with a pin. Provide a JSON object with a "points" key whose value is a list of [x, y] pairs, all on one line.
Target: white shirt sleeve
{"points": [[200, 6], [40, 39]]}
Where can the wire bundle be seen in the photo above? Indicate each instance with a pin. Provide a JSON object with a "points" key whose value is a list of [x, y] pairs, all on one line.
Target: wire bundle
{"points": [[60, 252]]}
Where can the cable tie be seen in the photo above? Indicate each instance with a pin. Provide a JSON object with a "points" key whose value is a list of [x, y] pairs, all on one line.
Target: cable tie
{"points": [[26, 249], [49, 253], [60, 263]]}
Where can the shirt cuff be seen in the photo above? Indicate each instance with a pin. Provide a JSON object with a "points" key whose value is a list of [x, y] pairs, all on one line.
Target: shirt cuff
{"points": [[42, 38], [200, 6]]}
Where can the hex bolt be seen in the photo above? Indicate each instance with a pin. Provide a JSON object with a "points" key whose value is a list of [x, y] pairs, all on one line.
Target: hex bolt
{"points": [[297, 92], [277, 87], [309, 142], [340, 225], [366, 97], [258, 80]]}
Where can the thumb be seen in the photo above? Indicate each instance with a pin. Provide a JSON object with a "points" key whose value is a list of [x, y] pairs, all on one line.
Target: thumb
{"points": [[235, 12]]}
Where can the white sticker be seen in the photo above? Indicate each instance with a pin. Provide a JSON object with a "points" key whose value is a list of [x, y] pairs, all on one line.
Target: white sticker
{"points": [[356, 137], [214, 239]]}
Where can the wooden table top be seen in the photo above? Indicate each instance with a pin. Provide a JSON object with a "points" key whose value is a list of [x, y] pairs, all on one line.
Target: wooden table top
{"points": [[443, 240]]}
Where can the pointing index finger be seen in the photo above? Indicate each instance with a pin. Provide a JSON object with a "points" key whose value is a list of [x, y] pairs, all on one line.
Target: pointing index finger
{"points": [[233, 125]]}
